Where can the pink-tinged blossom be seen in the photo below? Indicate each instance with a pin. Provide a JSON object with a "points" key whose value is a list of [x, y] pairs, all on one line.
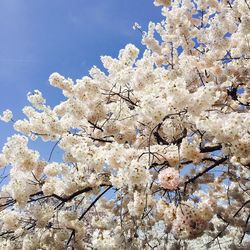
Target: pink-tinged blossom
{"points": [[188, 223], [169, 178]]}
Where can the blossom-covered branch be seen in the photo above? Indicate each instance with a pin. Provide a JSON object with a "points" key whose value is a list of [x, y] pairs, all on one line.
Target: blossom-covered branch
{"points": [[155, 148]]}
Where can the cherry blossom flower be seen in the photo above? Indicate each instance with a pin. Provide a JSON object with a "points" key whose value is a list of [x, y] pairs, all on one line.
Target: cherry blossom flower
{"points": [[169, 178]]}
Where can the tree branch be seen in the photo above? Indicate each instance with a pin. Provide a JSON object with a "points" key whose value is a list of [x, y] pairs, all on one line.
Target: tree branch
{"points": [[93, 203]]}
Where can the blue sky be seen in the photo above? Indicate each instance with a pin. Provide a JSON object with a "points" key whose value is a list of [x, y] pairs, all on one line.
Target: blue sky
{"points": [[39, 37]]}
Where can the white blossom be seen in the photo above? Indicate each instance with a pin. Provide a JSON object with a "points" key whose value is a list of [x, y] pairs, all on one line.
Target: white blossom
{"points": [[6, 116]]}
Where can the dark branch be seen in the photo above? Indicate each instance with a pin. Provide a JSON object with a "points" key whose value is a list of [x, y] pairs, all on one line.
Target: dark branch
{"points": [[193, 179], [208, 149], [93, 203]]}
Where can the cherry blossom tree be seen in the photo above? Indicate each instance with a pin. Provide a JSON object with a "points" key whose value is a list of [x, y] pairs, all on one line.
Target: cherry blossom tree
{"points": [[156, 147]]}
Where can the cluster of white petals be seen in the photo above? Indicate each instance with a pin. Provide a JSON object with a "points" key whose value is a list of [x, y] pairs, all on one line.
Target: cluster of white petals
{"points": [[155, 146], [6, 116], [188, 223]]}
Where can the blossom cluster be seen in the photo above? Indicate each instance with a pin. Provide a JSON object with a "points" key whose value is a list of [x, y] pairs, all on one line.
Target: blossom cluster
{"points": [[156, 148]]}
